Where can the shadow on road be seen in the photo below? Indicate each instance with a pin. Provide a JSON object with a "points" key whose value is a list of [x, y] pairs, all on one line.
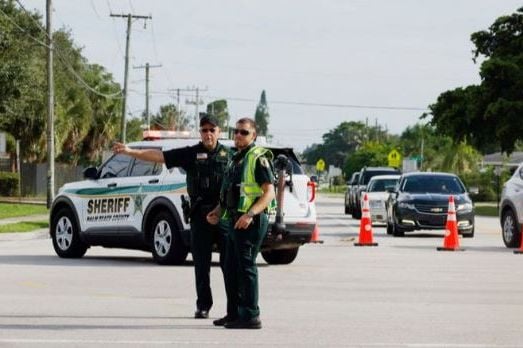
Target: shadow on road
{"points": [[99, 261], [465, 247]]}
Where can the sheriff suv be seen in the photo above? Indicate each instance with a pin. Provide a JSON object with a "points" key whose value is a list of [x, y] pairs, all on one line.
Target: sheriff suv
{"points": [[130, 203]]}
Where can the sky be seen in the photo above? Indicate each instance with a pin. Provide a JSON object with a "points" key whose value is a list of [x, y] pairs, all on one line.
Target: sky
{"points": [[320, 62]]}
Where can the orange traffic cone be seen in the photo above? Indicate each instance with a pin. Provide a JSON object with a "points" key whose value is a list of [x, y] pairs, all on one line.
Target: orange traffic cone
{"points": [[451, 240], [365, 238], [315, 238], [520, 250]]}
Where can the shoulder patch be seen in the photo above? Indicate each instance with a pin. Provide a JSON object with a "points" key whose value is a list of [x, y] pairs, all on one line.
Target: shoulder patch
{"points": [[264, 162], [223, 153]]}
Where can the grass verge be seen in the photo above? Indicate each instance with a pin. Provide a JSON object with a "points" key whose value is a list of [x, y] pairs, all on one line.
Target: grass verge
{"points": [[8, 210], [24, 226], [485, 210]]}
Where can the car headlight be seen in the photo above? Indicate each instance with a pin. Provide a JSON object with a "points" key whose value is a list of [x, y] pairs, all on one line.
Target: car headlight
{"points": [[405, 205], [464, 207]]}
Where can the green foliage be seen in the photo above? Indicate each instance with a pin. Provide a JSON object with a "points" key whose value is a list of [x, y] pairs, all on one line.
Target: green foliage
{"points": [[168, 117], [134, 130], [261, 115], [8, 184], [9, 210], [85, 121], [487, 116], [372, 154], [24, 226], [219, 109]]}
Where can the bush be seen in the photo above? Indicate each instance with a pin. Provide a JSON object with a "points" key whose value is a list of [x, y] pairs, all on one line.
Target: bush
{"points": [[8, 184], [487, 182]]}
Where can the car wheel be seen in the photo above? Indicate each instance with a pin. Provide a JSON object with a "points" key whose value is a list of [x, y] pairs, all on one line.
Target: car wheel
{"points": [[389, 228], [166, 242], [510, 232], [66, 235], [397, 231], [280, 256], [347, 209], [356, 213]]}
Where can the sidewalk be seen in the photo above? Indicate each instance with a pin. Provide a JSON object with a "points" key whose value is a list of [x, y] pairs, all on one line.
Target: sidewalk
{"points": [[36, 234], [25, 200]]}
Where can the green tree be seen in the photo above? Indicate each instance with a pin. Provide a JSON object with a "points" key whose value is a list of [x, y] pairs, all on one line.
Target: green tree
{"points": [[488, 115], [370, 154], [219, 109], [261, 115], [168, 117], [337, 143], [85, 117]]}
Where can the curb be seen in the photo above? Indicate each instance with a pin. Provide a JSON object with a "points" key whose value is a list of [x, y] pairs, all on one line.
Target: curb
{"points": [[42, 233]]}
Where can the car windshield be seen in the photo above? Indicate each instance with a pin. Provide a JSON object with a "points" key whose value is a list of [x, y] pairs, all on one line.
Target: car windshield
{"points": [[433, 184], [382, 185], [369, 174]]}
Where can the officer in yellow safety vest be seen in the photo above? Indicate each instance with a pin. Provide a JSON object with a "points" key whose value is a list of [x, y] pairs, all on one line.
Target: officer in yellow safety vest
{"points": [[246, 196]]}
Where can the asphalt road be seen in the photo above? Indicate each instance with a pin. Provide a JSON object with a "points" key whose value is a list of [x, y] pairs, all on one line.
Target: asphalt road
{"points": [[402, 293]]}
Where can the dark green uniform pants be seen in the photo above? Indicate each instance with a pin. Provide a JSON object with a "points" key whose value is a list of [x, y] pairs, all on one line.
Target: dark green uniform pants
{"points": [[203, 236], [242, 248]]}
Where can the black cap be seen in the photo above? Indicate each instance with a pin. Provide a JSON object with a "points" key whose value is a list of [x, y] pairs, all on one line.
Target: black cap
{"points": [[209, 119]]}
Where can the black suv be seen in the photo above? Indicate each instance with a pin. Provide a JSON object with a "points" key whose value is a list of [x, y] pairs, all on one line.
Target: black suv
{"points": [[365, 174]]}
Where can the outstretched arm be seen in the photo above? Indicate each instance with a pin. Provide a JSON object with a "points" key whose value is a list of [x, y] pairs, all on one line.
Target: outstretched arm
{"points": [[151, 155]]}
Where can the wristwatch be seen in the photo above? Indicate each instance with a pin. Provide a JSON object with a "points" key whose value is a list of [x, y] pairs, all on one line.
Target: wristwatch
{"points": [[251, 213]]}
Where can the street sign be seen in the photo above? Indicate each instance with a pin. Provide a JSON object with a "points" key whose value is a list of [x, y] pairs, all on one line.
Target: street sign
{"points": [[394, 158], [320, 165]]}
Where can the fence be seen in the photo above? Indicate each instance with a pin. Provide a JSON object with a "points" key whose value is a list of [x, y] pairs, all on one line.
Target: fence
{"points": [[34, 177]]}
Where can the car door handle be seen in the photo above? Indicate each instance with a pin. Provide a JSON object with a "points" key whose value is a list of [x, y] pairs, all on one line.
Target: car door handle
{"points": [[113, 184], [154, 181]]}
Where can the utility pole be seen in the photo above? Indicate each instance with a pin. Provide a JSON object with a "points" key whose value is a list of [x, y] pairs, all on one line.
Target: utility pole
{"points": [[50, 106], [147, 67], [196, 102], [126, 72], [178, 90]]}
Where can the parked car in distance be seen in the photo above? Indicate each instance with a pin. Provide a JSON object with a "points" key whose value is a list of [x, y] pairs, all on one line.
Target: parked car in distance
{"points": [[420, 202], [511, 209], [351, 184], [378, 191], [366, 173]]}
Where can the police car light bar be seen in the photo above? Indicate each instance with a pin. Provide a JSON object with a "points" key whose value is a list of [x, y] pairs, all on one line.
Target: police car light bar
{"points": [[166, 134]]}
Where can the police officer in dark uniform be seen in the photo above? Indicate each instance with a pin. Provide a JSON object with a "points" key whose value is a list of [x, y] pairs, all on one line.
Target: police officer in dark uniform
{"points": [[205, 164], [247, 195]]}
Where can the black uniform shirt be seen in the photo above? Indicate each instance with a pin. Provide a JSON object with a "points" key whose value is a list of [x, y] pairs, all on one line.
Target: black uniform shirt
{"points": [[204, 177]]}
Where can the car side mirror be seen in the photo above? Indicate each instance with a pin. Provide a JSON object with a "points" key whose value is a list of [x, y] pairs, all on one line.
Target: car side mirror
{"points": [[91, 173]]}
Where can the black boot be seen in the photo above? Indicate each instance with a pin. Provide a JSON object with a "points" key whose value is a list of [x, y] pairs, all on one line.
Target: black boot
{"points": [[253, 323]]}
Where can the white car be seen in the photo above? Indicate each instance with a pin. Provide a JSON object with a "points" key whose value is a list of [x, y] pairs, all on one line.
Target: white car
{"points": [[511, 209], [129, 203], [377, 192]]}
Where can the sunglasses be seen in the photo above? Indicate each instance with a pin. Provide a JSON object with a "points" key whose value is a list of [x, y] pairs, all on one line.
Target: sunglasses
{"points": [[243, 132], [206, 130]]}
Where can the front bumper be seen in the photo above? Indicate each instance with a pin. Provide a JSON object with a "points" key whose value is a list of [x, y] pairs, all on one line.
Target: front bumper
{"points": [[296, 234], [412, 219]]}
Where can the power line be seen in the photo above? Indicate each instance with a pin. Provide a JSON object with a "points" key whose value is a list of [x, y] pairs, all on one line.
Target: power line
{"points": [[299, 103], [59, 54]]}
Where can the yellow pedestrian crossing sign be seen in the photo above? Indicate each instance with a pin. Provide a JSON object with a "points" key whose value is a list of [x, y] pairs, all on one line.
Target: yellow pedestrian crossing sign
{"points": [[320, 165], [394, 158]]}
